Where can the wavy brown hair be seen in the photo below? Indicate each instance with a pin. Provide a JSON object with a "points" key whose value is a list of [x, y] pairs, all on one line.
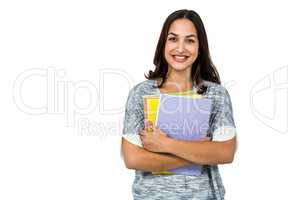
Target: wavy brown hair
{"points": [[203, 67]]}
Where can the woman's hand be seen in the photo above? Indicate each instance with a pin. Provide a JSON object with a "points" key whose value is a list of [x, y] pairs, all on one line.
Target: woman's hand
{"points": [[153, 138]]}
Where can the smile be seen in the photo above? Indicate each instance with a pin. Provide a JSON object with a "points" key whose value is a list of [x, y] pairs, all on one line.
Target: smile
{"points": [[180, 58]]}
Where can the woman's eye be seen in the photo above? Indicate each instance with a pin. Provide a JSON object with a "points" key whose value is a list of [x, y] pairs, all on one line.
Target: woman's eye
{"points": [[172, 39], [191, 41]]}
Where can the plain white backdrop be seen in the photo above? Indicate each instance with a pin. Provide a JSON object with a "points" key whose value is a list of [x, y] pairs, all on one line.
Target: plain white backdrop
{"points": [[66, 70]]}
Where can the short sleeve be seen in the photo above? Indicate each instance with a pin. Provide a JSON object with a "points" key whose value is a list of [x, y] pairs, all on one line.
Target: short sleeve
{"points": [[133, 119], [222, 122]]}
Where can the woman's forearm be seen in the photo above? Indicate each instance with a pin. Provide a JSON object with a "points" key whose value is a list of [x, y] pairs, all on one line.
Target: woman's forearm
{"points": [[154, 162], [140, 159], [202, 152]]}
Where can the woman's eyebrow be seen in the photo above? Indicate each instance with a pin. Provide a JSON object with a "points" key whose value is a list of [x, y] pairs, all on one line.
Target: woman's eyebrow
{"points": [[172, 34], [188, 36], [191, 35]]}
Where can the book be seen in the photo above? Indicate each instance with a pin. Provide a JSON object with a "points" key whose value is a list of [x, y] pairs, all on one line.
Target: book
{"points": [[189, 110], [184, 118], [151, 103], [150, 107]]}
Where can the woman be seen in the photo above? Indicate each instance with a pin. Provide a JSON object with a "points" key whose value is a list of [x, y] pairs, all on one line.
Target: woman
{"points": [[182, 63]]}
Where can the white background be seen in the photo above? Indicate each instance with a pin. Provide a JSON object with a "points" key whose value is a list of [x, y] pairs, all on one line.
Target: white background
{"points": [[98, 50]]}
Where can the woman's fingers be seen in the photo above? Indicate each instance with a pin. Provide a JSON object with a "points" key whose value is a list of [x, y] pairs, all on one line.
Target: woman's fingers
{"points": [[160, 131], [142, 133], [148, 126]]}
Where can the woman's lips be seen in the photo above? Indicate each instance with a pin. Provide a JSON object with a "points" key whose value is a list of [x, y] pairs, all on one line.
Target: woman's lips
{"points": [[180, 59]]}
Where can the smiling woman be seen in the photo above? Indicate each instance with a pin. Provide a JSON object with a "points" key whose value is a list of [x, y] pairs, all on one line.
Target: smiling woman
{"points": [[182, 45], [182, 63]]}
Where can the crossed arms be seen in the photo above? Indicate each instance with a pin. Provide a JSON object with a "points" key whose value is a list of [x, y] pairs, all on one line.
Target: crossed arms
{"points": [[161, 153]]}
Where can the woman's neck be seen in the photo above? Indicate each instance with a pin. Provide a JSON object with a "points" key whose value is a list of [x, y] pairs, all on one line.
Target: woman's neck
{"points": [[178, 81]]}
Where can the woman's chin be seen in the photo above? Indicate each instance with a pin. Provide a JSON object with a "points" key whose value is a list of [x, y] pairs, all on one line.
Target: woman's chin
{"points": [[179, 67]]}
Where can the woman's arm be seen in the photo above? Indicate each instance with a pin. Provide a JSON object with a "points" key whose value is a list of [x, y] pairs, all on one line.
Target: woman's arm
{"points": [[141, 159], [200, 152]]}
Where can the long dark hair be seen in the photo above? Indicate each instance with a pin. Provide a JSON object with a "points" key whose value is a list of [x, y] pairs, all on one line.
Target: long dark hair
{"points": [[202, 69]]}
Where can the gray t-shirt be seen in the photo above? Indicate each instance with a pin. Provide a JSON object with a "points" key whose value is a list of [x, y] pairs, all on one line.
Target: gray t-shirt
{"points": [[206, 186]]}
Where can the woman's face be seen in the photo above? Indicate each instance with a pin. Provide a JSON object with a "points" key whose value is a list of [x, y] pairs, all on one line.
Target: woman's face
{"points": [[181, 49]]}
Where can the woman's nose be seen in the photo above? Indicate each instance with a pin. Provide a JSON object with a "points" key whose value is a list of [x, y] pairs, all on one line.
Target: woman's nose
{"points": [[180, 47]]}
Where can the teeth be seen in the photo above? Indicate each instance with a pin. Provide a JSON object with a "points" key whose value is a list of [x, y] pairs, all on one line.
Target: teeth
{"points": [[180, 58]]}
